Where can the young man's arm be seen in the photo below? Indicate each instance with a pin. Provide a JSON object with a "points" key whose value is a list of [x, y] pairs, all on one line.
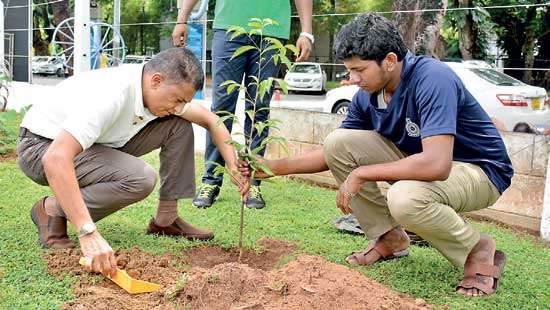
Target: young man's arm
{"points": [[58, 164], [304, 45], [432, 164], [197, 114], [180, 33]]}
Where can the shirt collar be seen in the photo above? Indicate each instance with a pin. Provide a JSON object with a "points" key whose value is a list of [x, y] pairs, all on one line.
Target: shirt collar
{"points": [[141, 114]]}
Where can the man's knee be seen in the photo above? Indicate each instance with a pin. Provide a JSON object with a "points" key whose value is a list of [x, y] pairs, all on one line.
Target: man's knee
{"points": [[143, 182], [407, 200], [335, 142]]}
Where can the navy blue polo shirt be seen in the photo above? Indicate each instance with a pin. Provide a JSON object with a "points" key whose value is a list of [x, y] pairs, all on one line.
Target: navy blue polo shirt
{"points": [[432, 100]]}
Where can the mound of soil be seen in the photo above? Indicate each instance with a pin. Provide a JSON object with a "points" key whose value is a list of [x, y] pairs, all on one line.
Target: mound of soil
{"points": [[209, 277]]}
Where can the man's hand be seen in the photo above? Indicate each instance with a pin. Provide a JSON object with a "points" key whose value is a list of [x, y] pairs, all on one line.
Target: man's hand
{"points": [[179, 34], [347, 191], [246, 171], [303, 45], [94, 247], [242, 182]]}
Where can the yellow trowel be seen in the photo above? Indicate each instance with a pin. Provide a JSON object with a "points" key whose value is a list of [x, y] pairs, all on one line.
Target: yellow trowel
{"points": [[129, 284]]}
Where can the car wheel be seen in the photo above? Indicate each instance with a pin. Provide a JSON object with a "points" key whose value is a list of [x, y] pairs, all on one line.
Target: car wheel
{"points": [[59, 72], [341, 108]]}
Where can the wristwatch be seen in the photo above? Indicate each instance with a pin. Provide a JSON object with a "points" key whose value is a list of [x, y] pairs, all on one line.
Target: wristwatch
{"points": [[308, 35], [86, 229]]}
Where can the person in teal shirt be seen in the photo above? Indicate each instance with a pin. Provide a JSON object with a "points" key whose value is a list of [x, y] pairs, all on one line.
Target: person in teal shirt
{"points": [[238, 13]]}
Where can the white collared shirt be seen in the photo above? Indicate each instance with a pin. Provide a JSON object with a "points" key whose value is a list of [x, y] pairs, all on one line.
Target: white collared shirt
{"points": [[102, 106]]}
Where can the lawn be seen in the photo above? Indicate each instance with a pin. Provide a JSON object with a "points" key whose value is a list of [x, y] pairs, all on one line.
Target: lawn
{"points": [[296, 212]]}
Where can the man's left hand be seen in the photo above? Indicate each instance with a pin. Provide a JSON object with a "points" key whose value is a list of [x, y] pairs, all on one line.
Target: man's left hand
{"points": [[303, 45], [242, 182], [349, 188]]}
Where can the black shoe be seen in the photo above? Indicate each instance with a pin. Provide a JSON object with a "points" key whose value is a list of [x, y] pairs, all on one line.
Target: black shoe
{"points": [[255, 199], [206, 196]]}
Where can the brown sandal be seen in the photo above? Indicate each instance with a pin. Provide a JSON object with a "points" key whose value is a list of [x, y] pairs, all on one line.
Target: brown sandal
{"points": [[472, 272], [385, 252]]}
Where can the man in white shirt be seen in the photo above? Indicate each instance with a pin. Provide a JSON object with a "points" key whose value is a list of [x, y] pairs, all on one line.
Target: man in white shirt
{"points": [[85, 139]]}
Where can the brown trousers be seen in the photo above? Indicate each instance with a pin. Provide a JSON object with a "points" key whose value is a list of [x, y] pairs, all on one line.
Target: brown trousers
{"points": [[429, 209], [111, 179]]}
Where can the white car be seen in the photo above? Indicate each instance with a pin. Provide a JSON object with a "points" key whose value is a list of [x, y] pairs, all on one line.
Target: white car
{"points": [[48, 65], [136, 59], [306, 76], [504, 98]]}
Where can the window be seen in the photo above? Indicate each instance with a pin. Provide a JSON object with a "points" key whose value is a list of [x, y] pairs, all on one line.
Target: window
{"points": [[495, 77], [305, 69]]}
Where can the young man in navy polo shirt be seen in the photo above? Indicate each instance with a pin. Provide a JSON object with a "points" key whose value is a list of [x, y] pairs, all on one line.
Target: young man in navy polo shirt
{"points": [[415, 125]]}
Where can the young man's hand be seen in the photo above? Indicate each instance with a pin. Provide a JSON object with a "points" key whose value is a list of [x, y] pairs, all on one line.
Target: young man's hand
{"points": [[102, 257], [347, 191], [245, 170]]}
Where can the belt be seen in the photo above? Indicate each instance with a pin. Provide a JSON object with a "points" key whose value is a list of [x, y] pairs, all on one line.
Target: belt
{"points": [[25, 133]]}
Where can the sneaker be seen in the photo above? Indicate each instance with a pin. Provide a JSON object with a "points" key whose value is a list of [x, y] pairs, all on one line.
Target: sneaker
{"points": [[206, 196], [255, 199]]}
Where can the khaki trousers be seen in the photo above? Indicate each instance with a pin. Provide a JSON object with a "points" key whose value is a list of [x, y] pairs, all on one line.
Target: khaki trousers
{"points": [[429, 209], [111, 179]]}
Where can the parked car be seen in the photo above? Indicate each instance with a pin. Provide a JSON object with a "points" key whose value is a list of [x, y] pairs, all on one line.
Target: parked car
{"points": [[306, 76], [136, 59], [504, 98], [48, 65]]}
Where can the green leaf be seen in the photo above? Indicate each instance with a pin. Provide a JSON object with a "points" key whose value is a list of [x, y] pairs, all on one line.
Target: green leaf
{"points": [[283, 85], [232, 87], [286, 61], [256, 25], [228, 82], [265, 169], [275, 42], [293, 49], [218, 169], [241, 50]]}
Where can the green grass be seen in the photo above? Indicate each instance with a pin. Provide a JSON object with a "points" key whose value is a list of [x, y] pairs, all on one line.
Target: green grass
{"points": [[333, 84], [9, 122], [296, 212]]}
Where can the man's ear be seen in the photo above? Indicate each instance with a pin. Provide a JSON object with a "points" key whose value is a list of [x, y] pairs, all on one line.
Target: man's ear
{"points": [[156, 80], [390, 61]]}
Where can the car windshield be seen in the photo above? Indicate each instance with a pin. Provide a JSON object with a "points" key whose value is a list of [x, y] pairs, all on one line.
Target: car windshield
{"points": [[305, 69], [40, 59], [495, 77]]}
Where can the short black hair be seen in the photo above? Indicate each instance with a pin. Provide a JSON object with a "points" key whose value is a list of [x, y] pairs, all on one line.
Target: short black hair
{"points": [[523, 127], [177, 65], [370, 37]]}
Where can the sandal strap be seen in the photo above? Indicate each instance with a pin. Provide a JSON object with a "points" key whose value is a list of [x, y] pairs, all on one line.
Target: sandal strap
{"points": [[473, 282], [482, 270]]}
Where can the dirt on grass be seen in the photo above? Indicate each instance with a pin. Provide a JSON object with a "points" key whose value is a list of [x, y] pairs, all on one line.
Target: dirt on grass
{"points": [[209, 277], [8, 156]]}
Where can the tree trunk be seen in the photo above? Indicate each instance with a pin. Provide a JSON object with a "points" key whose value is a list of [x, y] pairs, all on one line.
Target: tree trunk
{"points": [[466, 34], [420, 30], [528, 47]]}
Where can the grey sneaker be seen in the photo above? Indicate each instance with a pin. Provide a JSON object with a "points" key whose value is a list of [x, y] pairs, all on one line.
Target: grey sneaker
{"points": [[206, 196], [255, 199]]}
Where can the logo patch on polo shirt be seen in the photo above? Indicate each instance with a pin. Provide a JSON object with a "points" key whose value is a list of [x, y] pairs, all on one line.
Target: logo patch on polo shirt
{"points": [[412, 129]]}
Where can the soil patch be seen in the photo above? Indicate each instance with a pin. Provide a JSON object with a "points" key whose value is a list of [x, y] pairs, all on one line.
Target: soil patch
{"points": [[209, 277], [8, 156]]}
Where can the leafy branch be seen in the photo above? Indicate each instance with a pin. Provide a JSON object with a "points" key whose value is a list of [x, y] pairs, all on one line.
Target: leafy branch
{"points": [[271, 51]]}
